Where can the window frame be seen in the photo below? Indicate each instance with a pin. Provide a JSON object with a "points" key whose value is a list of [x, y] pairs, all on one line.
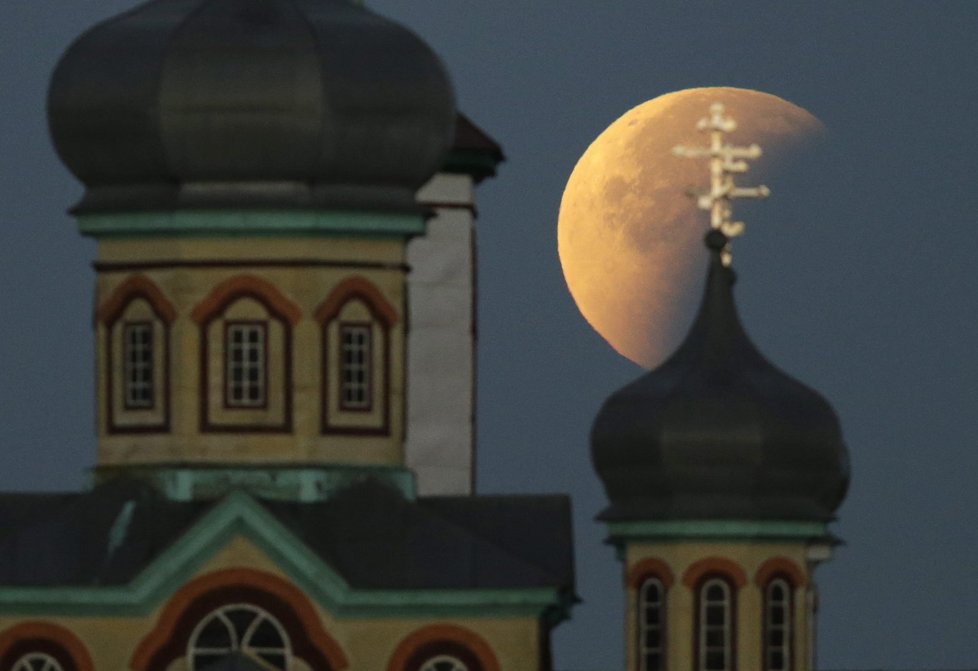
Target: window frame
{"points": [[787, 625], [459, 665], [262, 328], [642, 650], [24, 663], [239, 639], [368, 368], [118, 416], [128, 403], [729, 627]]}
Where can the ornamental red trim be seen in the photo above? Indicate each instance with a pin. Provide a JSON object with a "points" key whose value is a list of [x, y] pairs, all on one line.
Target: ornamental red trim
{"points": [[352, 288], [160, 647], [780, 566], [136, 286], [715, 565], [242, 286], [649, 567], [438, 638], [46, 635]]}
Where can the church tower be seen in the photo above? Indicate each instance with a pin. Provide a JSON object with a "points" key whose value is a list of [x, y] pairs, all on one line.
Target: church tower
{"points": [[722, 475], [276, 336], [251, 173]]}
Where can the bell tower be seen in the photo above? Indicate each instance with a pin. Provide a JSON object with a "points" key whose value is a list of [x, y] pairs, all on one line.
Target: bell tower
{"points": [[722, 474], [253, 188]]}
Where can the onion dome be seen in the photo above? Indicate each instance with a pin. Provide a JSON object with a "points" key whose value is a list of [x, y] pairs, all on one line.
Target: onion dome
{"points": [[250, 103], [718, 432]]}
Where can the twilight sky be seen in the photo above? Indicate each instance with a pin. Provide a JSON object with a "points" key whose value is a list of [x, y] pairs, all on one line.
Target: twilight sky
{"points": [[857, 276]]}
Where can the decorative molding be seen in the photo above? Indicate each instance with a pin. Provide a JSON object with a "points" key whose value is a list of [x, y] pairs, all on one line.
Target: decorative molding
{"points": [[136, 286], [246, 286], [168, 639], [719, 529], [360, 289], [650, 567], [439, 638], [250, 223], [134, 266], [36, 632], [357, 287], [709, 566], [108, 314], [213, 307], [780, 566]]}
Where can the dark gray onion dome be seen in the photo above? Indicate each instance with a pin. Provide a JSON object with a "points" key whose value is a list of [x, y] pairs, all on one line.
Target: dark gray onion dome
{"points": [[188, 103], [717, 432]]}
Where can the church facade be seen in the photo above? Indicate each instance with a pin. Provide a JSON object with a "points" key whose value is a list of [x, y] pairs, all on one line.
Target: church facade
{"points": [[282, 196]]}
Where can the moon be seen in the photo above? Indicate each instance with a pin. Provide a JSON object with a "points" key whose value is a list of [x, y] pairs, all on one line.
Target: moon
{"points": [[628, 235]]}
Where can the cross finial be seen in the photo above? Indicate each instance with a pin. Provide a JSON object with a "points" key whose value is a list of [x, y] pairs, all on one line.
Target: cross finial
{"points": [[725, 160]]}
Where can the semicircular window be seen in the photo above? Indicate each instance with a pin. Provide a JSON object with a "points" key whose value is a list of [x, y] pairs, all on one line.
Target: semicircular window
{"points": [[37, 661], [444, 663], [240, 630]]}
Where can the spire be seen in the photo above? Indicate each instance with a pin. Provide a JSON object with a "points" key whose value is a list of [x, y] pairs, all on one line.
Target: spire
{"points": [[725, 161]]}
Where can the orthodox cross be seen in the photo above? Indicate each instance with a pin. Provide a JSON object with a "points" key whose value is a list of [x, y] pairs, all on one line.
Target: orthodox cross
{"points": [[725, 161]]}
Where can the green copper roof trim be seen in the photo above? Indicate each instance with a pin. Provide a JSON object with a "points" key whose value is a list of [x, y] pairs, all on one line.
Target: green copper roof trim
{"points": [[240, 515], [210, 223], [718, 529], [281, 482]]}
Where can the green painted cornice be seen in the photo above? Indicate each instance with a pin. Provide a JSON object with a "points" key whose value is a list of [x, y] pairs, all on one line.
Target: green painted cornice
{"points": [[239, 223], [679, 530], [240, 515], [283, 482]]}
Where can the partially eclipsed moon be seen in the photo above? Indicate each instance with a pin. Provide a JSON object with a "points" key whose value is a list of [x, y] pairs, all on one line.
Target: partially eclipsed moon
{"points": [[630, 239]]}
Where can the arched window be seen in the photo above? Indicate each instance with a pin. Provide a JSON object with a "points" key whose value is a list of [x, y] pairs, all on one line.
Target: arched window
{"points": [[444, 663], [246, 357], [356, 321], [240, 629], [651, 610], [777, 625], [37, 661], [715, 626], [135, 322]]}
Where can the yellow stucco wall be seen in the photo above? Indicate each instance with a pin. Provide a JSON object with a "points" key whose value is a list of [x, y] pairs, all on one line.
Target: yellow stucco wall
{"points": [[368, 643], [301, 271], [681, 602]]}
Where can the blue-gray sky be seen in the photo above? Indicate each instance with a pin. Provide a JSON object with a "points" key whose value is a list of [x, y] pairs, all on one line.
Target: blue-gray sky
{"points": [[857, 278]]}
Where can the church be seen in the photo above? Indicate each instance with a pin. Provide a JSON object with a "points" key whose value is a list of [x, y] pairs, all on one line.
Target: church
{"points": [[282, 193]]}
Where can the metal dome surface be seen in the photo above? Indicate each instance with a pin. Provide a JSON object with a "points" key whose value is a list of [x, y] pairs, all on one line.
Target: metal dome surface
{"points": [[188, 103], [718, 432]]}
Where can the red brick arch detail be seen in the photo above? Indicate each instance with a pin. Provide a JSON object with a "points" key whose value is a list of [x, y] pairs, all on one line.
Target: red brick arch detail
{"points": [[780, 566], [184, 598], [700, 569], [443, 633], [246, 286], [136, 286], [49, 633], [649, 568], [363, 289]]}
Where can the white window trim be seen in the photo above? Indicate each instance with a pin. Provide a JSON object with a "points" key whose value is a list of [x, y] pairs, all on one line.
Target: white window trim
{"points": [[37, 661], [430, 664], [784, 627], [132, 364], [260, 364], [644, 626], [239, 640], [356, 394], [725, 627]]}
